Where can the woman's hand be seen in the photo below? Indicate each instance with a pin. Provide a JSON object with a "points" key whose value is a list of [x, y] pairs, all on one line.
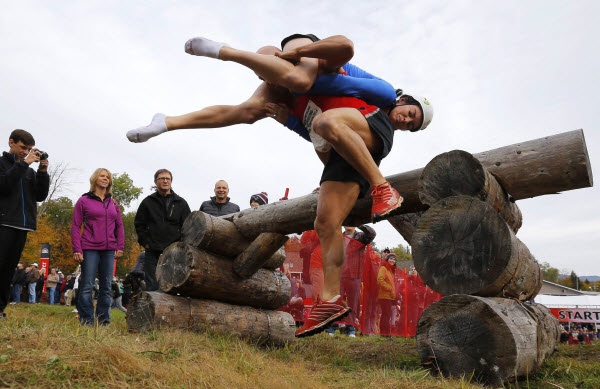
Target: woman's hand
{"points": [[78, 257], [279, 112], [118, 253]]}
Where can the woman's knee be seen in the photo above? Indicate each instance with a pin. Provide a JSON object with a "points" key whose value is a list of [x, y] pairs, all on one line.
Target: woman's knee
{"points": [[297, 81]]}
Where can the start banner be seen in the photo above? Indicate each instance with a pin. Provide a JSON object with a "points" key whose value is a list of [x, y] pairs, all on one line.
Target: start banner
{"points": [[576, 315]]}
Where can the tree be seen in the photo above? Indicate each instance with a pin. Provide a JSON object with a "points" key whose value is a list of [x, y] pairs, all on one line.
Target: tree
{"points": [[124, 191], [53, 227], [59, 183], [402, 254], [575, 280], [549, 273]]}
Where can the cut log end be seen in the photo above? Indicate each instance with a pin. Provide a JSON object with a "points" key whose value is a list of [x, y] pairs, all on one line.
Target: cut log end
{"points": [[492, 339], [174, 266], [140, 313], [450, 174], [453, 251], [194, 228]]}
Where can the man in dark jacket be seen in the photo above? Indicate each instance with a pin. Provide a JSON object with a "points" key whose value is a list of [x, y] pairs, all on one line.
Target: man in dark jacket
{"points": [[220, 205], [20, 190], [18, 280], [158, 223]]}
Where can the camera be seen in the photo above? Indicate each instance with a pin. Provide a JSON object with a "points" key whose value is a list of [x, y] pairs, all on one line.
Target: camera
{"points": [[43, 155]]}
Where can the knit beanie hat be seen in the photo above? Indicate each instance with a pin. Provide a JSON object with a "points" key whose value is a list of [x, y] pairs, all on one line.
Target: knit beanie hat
{"points": [[262, 198]]}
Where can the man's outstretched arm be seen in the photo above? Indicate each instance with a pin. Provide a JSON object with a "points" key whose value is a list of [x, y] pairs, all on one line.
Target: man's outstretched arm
{"points": [[333, 52]]}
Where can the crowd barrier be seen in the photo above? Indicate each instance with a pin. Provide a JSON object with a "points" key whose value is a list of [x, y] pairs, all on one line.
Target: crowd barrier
{"points": [[385, 300]]}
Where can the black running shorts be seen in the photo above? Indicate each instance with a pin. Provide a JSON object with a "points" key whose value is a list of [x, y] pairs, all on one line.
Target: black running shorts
{"points": [[337, 169]]}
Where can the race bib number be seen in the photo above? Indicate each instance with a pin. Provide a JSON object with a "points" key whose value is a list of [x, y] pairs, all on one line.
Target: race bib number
{"points": [[311, 111]]}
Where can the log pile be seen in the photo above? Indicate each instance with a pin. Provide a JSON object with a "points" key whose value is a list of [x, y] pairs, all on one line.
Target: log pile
{"points": [[465, 247], [460, 216], [216, 279]]}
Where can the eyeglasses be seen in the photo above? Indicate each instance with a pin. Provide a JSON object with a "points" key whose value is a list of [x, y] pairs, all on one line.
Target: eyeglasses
{"points": [[163, 179]]}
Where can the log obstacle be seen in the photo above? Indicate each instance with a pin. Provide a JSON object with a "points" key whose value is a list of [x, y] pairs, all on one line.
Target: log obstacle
{"points": [[494, 339], [260, 250], [538, 167], [460, 173], [183, 269], [461, 245], [155, 310], [220, 236]]}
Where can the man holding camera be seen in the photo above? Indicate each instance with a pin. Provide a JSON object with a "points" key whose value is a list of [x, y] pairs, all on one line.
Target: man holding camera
{"points": [[20, 190]]}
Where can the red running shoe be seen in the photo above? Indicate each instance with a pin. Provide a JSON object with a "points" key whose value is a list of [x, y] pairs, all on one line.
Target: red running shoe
{"points": [[385, 201], [323, 314]]}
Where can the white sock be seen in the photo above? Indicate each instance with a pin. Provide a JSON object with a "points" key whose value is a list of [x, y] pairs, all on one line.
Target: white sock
{"points": [[336, 297], [203, 47], [156, 127]]}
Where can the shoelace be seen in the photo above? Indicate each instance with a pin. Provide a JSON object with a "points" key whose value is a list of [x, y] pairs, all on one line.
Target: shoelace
{"points": [[380, 194]]}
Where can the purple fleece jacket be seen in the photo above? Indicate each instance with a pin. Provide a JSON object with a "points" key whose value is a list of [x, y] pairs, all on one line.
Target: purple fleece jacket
{"points": [[103, 226]]}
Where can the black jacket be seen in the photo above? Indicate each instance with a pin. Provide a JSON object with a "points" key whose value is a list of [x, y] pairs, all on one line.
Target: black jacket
{"points": [[20, 277], [159, 220], [219, 209], [20, 190]]}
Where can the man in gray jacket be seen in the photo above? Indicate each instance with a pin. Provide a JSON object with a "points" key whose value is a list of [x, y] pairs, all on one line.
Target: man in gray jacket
{"points": [[220, 205]]}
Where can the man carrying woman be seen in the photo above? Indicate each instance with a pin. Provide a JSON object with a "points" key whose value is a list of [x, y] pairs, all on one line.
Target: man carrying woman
{"points": [[350, 136]]}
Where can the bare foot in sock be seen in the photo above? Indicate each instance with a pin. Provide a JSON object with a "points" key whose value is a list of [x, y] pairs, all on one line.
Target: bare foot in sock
{"points": [[156, 127]]}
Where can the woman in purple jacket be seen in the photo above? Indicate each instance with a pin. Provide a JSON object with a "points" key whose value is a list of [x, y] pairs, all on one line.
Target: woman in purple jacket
{"points": [[102, 241]]}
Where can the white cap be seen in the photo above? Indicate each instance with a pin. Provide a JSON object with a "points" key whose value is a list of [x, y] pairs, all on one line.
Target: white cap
{"points": [[35, 264]]}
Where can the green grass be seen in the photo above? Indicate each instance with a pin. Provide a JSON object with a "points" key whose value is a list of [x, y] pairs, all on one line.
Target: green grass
{"points": [[43, 346]]}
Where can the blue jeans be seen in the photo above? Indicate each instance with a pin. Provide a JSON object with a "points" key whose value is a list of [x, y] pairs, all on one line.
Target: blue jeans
{"points": [[17, 293], [31, 286], [103, 262], [50, 292], [350, 330]]}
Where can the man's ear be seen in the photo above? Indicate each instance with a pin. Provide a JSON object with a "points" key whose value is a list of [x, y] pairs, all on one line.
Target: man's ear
{"points": [[402, 100], [11, 143]]}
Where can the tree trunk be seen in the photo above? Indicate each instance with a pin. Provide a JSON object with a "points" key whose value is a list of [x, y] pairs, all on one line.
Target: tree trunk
{"points": [[220, 236], [534, 168], [495, 339], [155, 310], [405, 224], [259, 251], [460, 173], [462, 245], [191, 272]]}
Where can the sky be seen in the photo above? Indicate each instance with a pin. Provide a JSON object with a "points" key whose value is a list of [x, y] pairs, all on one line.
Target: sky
{"points": [[79, 75]]}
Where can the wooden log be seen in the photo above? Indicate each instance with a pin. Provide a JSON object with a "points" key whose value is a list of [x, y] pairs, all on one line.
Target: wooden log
{"points": [[191, 272], [213, 234], [494, 340], [219, 236], [460, 173], [405, 224], [462, 245], [538, 167], [156, 310], [260, 250]]}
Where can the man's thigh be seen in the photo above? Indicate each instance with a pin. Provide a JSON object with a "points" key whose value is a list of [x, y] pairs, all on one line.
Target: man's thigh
{"points": [[356, 121], [336, 199]]}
